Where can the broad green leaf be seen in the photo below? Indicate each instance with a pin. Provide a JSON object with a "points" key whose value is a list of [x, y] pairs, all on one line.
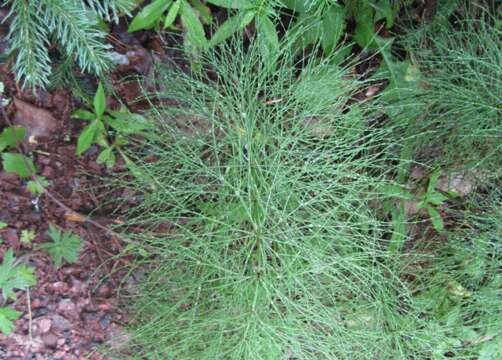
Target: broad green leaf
{"points": [[148, 15], [230, 26], [3, 225], [436, 219], [436, 198], [18, 164], [84, 115], [86, 137], [396, 191], [7, 316], [231, 4], [203, 11], [333, 28], [384, 10], [193, 26], [106, 157], [99, 101], [268, 36], [11, 136], [364, 34], [295, 5], [310, 30], [172, 13], [433, 180], [127, 123]]}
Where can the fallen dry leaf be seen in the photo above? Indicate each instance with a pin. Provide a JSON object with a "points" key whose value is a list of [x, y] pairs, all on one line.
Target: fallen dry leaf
{"points": [[38, 122]]}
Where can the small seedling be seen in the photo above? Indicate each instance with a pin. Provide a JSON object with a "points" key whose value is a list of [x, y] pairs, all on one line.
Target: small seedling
{"points": [[102, 121], [432, 198], [427, 200], [27, 236], [65, 246], [37, 187]]}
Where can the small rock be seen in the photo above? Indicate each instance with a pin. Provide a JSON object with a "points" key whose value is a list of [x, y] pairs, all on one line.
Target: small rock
{"points": [[59, 354], [372, 90], [60, 323], [460, 183], [66, 306], [61, 342], [118, 58], [50, 340], [48, 172], [105, 321], [10, 236], [44, 325]]}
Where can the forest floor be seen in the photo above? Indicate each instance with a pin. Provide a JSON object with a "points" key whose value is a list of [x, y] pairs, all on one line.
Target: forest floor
{"points": [[72, 310]]}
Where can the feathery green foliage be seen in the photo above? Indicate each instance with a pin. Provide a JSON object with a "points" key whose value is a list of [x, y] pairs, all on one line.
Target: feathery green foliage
{"points": [[265, 178], [72, 24], [456, 112]]}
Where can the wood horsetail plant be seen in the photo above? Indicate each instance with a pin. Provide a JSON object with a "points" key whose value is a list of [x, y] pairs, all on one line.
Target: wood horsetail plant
{"points": [[266, 177]]}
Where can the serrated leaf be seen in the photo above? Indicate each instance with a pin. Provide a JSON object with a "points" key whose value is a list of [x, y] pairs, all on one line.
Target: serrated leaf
{"points": [[231, 4], [18, 164], [27, 236], [11, 136], [193, 26], [148, 15], [83, 114], [230, 26], [65, 246], [86, 137], [172, 13], [7, 316], [37, 187], [333, 27], [14, 276], [99, 101], [435, 218]]}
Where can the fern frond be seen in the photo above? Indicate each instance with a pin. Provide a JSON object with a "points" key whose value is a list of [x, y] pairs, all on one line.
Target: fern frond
{"points": [[76, 29], [28, 39]]}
